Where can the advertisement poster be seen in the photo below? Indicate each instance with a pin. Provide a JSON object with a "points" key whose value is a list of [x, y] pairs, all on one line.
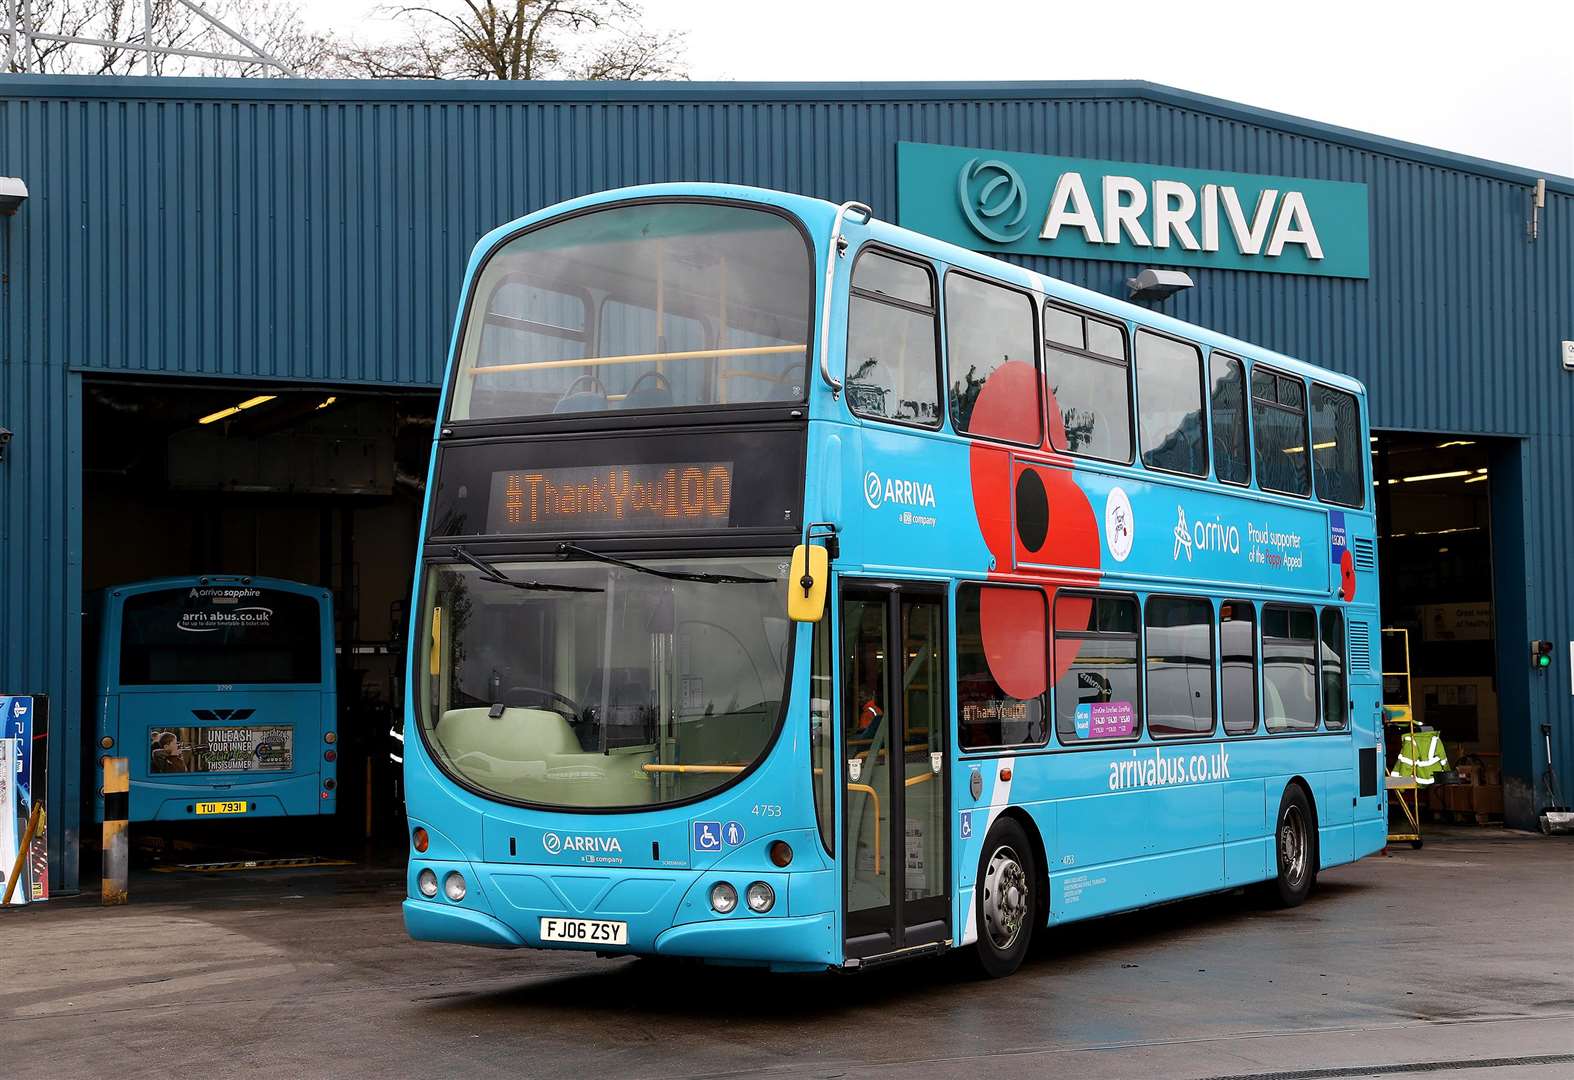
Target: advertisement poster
{"points": [[268, 748], [22, 744]]}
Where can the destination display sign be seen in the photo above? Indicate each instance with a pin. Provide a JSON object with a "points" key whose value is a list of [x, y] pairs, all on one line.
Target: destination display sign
{"points": [[737, 481], [601, 498]]}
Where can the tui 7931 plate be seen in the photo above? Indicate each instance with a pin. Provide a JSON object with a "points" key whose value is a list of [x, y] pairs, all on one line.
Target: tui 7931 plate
{"points": [[230, 807], [585, 931]]}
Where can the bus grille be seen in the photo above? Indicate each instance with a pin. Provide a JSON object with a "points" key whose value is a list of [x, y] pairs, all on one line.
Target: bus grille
{"points": [[1360, 646], [1365, 554]]}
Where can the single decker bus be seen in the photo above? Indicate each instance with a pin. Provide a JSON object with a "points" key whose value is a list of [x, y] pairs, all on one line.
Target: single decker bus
{"points": [[797, 590], [219, 691]]}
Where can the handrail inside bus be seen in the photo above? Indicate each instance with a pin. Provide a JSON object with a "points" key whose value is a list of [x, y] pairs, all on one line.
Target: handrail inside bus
{"points": [[875, 795], [636, 358], [730, 770], [825, 303]]}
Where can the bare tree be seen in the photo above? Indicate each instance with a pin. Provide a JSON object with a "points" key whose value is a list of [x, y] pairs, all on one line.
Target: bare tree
{"points": [[520, 39], [275, 25]]}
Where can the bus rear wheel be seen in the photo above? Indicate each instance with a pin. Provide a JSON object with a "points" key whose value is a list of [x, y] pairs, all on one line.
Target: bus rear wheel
{"points": [[1004, 899], [1295, 849]]}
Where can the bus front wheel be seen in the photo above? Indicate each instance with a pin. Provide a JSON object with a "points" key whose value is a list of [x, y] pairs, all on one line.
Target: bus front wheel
{"points": [[1004, 900], [1295, 849]]}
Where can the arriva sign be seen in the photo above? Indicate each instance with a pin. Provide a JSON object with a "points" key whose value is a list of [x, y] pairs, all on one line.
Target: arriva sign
{"points": [[1073, 208]]}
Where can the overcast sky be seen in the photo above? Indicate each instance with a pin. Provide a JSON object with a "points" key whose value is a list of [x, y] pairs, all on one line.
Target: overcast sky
{"points": [[1492, 80]]}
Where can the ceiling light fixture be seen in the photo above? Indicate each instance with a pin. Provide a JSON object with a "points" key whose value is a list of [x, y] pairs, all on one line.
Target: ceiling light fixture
{"points": [[1436, 476], [249, 403]]}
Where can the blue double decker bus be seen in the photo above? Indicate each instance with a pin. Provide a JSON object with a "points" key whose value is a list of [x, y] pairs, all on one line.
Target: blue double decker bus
{"points": [[219, 691], [797, 590]]}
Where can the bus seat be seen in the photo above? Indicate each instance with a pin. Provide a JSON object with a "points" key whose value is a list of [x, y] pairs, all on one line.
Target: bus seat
{"points": [[651, 390], [513, 746], [585, 394]]}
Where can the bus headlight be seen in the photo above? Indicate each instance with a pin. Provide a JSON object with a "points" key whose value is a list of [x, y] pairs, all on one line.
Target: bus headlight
{"points": [[426, 881], [723, 898], [454, 886], [761, 897]]}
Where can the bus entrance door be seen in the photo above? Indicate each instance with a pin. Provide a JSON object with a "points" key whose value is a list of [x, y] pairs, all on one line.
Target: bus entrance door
{"points": [[893, 741]]}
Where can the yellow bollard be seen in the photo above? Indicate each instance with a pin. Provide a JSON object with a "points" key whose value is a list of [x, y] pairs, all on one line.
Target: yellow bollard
{"points": [[117, 798]]}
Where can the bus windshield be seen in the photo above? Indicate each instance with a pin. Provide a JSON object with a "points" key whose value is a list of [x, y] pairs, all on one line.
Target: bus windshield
{"points": [[641, 691], [650, 305]]}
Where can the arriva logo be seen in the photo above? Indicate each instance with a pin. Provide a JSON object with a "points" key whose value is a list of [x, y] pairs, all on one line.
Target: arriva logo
{"points": [[993, 199], [878, 492], [1182, 536], [555, 843]]}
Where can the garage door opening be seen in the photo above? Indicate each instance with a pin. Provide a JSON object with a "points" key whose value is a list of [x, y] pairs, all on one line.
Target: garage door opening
{"points": [[301, 483], [1434, 507]]}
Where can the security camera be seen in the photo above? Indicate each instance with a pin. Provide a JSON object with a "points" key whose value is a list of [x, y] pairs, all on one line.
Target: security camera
{"points": [[1153, 284]]}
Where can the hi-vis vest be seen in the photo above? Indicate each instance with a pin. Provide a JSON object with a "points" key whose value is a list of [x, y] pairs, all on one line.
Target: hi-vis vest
{"points": [[1421, 755]]}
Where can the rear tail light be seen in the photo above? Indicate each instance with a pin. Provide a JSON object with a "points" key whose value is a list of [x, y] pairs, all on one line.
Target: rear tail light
{"points": [[330, 755], [418, 838]]}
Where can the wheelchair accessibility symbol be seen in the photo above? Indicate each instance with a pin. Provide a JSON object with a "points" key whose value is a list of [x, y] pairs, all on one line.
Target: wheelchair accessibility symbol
{"points": [[707, 836]]}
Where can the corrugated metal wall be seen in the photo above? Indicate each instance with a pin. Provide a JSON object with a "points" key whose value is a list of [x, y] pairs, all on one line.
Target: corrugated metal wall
{"points": [[317, 231]]}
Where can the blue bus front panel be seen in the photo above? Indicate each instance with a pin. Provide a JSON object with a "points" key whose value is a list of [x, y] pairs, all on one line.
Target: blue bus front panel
{"points": [[653, 869]]}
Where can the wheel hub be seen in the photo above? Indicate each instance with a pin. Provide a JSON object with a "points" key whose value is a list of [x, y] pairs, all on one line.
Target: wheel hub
{"points": [[1006, 900]]}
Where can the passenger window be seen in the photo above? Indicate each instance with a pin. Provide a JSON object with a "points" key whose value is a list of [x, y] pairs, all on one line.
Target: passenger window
{"points": [[1180, 666], [1169, 405], [1289, 668], [1335, 696], [1089, 399], [892, 363], [1096, 638], [1337, 449], [1279, 433], [1000, 680], [1227, 398], [993, 360], [1238, 666]]}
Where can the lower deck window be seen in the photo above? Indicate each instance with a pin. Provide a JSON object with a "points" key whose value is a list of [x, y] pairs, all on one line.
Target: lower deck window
{"points": [[1179, 666], [1096, 640], [1289, 668], [1000, 679]]}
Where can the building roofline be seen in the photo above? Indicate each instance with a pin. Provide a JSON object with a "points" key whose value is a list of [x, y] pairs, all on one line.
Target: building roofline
{"points": [[609, 92]]}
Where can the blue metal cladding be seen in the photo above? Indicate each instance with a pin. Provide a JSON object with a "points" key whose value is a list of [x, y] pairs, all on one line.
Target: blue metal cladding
{"points": [[317, 231]]}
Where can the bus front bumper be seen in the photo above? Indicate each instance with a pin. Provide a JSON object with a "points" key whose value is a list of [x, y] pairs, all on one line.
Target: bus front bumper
{"points": [[426, 921]]}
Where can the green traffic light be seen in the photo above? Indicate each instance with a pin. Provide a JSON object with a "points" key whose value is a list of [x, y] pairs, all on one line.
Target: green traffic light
{"points": [[1544, 661]]}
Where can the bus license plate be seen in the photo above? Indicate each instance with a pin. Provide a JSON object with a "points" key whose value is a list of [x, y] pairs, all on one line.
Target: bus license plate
{"points": [[586, 931], [221, 807]]}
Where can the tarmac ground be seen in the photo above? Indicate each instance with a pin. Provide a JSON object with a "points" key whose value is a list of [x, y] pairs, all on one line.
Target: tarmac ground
{"points": [[1455, 961]]}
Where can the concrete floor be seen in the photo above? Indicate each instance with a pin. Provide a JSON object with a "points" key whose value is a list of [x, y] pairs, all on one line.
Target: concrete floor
{"points": [[1457, 959]]}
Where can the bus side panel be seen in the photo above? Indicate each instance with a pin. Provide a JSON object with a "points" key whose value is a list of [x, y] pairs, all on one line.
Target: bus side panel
{"points": [[107, 706], [1248, 850], [1335, 821]]}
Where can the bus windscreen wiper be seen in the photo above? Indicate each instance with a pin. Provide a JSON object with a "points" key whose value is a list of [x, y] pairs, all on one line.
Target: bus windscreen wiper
{"points": [[565, 550], [494, 574]]}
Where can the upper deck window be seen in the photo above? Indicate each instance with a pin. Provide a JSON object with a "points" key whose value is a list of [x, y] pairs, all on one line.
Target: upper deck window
{"points": [[1337, 447], [1279, 432], [1085, 371], [638, 307], [892, 358], [993, 360], [1169, 405]]}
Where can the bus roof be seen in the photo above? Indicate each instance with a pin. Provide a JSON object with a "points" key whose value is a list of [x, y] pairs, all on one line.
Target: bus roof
{"points": [[818, 216]]}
